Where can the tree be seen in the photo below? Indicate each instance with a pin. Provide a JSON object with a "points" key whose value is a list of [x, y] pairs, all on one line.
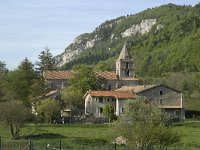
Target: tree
{"points": [[144, 125], [37, 88], [102, 66], [73, 98], [3, 75], [84, 78], [48, 108], [109, 112], [14, 114], [19, 81], [46, 61]]}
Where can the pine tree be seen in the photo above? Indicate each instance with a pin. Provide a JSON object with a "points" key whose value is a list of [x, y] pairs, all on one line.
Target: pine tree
{"points": [[46, 61]]}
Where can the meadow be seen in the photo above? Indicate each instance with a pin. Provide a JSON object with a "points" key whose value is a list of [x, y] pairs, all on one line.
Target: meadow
{"points": [[88, 136]]}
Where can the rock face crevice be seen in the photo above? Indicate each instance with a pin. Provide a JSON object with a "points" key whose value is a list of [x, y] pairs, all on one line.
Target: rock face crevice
{"points": [[88, 40]]}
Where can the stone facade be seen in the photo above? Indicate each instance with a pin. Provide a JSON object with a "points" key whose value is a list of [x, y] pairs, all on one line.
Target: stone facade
{"points": [[167, 99], [95, 101]]}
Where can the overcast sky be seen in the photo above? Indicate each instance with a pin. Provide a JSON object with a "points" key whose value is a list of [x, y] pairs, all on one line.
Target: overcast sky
{"points": [[28, 26]]}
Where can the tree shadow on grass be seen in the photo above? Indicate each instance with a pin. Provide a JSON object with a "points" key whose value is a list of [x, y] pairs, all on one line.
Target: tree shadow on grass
{"points": [[44, 136]]}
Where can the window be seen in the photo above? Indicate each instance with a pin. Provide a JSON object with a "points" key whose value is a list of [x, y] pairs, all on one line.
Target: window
{"points": [[109, 87], [127, 72], [100, 110], [108, 100], [118, 72], [49, 85], [127, 65], [121, 110], [117, 85], [63, 85], [113, 100], [161, 92], [177, 112], [100, 99]]}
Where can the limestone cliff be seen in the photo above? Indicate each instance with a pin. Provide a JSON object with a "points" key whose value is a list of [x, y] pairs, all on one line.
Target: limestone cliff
{"points": [[103, 32]]}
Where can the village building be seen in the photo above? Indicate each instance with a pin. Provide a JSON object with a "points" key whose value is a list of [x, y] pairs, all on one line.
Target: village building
{"points": [[56, 79], [124, 81], [166, 98], [95, 101]]}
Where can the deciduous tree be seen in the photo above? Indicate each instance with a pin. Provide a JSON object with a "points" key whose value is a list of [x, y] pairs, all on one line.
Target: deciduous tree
{"points": [[144, 125], [109, 112], [14, 114], [84, 78], [49, 108]]}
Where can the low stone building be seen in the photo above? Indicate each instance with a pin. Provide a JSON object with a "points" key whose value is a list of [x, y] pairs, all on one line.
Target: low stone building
{"points": [[166, 98], [95, 101]]}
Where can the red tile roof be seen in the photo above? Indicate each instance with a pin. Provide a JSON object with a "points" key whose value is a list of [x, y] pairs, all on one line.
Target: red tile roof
{"points": [[116, 94], [57, 75], [109, 75]]}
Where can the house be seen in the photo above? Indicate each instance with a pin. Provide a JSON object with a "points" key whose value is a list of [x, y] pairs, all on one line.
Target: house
{"points": [[166, 98], [96, 100], [56, 79]]}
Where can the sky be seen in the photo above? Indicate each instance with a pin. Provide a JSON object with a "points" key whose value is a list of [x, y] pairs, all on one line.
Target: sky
{"points": [[28, 26]]}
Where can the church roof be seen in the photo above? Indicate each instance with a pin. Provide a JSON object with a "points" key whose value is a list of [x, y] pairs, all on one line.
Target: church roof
{"points": [[109, 75], [66, 75], [124, 53], [58, 75], [116, 94]]}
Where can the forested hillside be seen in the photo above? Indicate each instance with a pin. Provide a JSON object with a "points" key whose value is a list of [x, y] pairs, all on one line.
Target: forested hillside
{"points": [[171, 45], [166, 52]]}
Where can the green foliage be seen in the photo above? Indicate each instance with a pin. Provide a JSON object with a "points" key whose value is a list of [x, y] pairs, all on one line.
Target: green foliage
{"points": [[46, 61], [14, 114], [3, 73], [173, 47], [73, 98], [144, 125], [102, 66], [84, 78], [48, 108], [19, 81], [109, 112]]}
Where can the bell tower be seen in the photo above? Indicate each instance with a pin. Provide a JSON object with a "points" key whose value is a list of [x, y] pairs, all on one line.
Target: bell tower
{"points": [[124, 64]]}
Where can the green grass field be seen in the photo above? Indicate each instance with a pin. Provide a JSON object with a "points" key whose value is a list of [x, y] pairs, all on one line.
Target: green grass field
{"points": [[88, 136]]}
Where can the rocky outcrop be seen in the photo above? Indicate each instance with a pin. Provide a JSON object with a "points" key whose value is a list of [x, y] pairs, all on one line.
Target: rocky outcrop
{"points": [[88, 40], [79, 44], [142, 28]]}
